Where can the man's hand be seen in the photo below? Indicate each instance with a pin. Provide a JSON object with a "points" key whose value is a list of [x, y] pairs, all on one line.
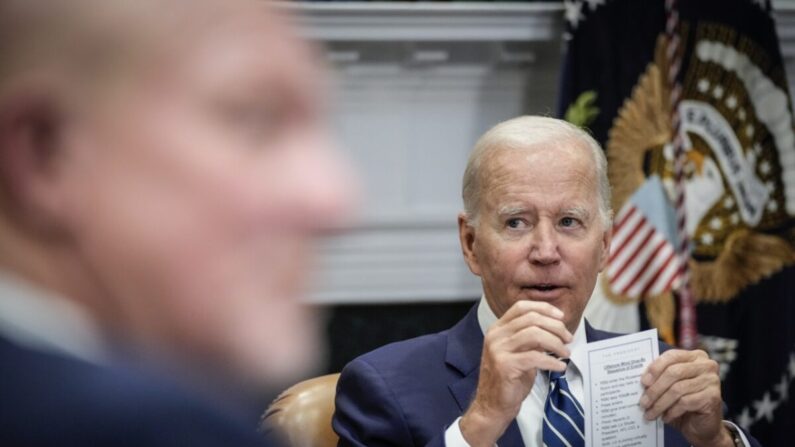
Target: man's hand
{"points": [[684, 388], [518, 344]]}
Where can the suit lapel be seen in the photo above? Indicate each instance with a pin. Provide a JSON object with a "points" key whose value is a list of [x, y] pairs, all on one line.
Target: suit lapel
{"points": [[592, 334], [464, 347]]}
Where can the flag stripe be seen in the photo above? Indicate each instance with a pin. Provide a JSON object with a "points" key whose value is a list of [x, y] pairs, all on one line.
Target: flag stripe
{"points": [[639, 280], [639, 247], [667, 259], [626, 213], [667, 279], [620, 239], [630, 246]]}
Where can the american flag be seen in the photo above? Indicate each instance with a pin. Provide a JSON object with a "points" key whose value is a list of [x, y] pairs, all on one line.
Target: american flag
{"points": [[643, 261]]}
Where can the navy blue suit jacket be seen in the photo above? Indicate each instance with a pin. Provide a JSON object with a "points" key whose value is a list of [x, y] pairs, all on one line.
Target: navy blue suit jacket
{"points": [[47, 399], [408, 393]]}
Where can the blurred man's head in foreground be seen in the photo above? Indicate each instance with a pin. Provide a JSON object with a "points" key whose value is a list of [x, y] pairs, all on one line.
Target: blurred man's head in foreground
{"points": [[165, 164]]}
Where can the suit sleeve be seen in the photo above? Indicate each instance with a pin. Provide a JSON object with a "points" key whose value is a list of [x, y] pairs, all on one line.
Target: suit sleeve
{"points": [[367, 412]]}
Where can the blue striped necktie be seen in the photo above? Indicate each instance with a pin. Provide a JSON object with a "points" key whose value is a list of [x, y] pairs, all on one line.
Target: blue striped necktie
{"points": [[563, 416]]}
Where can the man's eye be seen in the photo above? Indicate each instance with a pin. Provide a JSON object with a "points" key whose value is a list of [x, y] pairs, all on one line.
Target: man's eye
{"points": [[568, 222], [514, 223]]}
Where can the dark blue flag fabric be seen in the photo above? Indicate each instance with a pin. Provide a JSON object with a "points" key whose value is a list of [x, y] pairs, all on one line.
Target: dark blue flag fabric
{"points": [[737, 128]]}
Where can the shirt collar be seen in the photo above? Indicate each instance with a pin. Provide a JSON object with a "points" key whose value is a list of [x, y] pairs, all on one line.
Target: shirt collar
{"points": [[33, 317], [486, 319]]}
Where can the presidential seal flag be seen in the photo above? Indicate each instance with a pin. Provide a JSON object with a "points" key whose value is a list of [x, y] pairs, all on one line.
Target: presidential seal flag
{"points": [[719, 72]]}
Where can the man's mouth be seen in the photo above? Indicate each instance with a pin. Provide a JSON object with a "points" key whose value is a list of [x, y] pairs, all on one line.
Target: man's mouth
{"points": [[543, 291], [543, 287]]}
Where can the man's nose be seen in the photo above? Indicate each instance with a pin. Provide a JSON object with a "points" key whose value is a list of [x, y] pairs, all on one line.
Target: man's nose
{"points": [[544, 245]]}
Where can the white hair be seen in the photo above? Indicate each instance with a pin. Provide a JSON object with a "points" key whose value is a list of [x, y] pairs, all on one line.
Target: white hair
{"points": [[525, 132]]}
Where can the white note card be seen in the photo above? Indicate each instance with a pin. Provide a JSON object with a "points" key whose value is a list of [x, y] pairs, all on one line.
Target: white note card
{"points": [[613, 368]]}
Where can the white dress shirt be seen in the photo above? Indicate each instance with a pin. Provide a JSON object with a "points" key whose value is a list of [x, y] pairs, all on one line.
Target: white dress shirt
{"points": [[531, 412], [31, 316]]}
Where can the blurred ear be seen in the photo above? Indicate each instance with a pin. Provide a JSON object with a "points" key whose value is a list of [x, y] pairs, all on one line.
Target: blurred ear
{"points": [[31, 125], [466, 235], [607, 238]]}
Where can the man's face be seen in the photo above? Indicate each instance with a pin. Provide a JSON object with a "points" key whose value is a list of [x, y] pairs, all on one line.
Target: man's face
{"points": [[539, 235], [197, 191]]}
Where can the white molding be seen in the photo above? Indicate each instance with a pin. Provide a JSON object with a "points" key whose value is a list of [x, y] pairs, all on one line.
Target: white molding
{"points": [[395, 265], [418, 21], [426, 21]]}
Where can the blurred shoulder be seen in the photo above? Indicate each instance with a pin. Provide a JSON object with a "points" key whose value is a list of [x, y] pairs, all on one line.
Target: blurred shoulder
{"points": [[60, 400]]}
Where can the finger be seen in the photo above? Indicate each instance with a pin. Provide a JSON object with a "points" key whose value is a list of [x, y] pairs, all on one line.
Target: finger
{"points": [[534, 318], [680, 391], [538, 339], [698, 402], [522, 307], [533, 360], [533, 338], [666, 360]]}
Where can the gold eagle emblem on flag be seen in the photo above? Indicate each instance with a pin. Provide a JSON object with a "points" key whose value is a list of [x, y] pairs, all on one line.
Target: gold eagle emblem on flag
{"points": [[737, 127]]}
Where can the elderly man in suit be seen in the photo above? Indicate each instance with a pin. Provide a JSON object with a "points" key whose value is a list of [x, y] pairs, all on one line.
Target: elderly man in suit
{"points": [[536, 230], [165, 169]]}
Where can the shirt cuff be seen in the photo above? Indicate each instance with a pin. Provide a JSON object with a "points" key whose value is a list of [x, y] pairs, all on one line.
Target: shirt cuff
{"points": [[453, 436], [746, 443]]}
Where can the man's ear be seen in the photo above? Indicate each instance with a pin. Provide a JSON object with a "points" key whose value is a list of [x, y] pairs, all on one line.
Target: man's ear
{"points": [[31, 124], [466, 235], [607, 238]]}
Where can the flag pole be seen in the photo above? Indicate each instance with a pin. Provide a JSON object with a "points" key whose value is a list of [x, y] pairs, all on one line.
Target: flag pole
{"points": [[688, 334]]}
